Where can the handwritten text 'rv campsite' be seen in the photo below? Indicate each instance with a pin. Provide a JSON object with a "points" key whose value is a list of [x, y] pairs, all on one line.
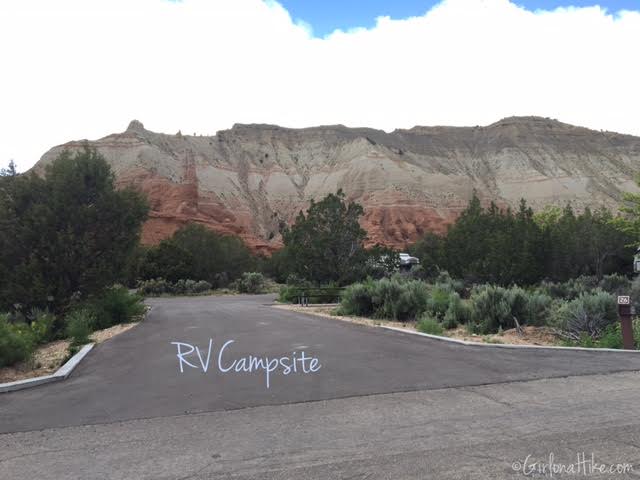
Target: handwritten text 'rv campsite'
{"points": [[297, 363]]}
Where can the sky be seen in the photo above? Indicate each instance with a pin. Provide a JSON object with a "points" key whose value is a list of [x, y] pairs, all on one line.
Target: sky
{"points": [[75, 69], [329, 15]]}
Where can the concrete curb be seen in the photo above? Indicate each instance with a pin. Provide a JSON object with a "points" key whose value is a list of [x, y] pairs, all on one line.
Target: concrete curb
{"points": [[62, 373], [506, 345]]}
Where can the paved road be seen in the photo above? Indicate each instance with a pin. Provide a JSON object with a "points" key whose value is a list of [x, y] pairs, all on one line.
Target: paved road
{"points": [[455, 433], [123, 410], [136, 375]]}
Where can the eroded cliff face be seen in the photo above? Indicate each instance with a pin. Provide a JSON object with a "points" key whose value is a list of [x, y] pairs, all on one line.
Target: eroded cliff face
{"points": [[247, 180]]}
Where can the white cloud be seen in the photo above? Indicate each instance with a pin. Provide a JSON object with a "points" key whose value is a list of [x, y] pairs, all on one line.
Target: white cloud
{"points": [[82, 69]]}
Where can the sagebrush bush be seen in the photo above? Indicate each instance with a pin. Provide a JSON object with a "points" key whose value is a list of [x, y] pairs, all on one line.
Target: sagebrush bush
{"points": [[357, 299], [458, 312], [17, 342], [80, 324], [115, 306], [615, 284], [537, 309], [492, 309], [429, 324], [589, 314], [497, 308], [385, 298], [439, 298], [570, 289], [251, 282], [443, 278], [518, 300], [160, 286]]}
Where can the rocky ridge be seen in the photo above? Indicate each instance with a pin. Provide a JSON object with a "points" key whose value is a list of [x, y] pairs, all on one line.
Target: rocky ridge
{"points": [[251, 179]]}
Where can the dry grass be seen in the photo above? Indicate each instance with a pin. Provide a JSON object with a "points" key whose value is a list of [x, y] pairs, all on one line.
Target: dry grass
{"points": [[530, 336], [49, 357]]}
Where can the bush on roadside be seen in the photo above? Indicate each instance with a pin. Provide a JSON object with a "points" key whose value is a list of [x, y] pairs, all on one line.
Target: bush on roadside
{"points": [[496, 308], [160, 286], [492, 308], [288, 294], [42, 323], [570, 289], [537, 309], [458, 312], [17, 342], [429, 324], [250, 282], [615, 284], [80, 324], [439, 299], [588, 314], [357, 299], [443, 278], [385, 298], [115, 306]]}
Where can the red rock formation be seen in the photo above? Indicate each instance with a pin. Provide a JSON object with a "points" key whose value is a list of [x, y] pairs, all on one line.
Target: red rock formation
{"points": [[247, 180]]}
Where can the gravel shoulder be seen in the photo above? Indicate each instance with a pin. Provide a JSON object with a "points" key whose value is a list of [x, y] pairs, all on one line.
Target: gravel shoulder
{"points": [[541, 336], [51, 356]]}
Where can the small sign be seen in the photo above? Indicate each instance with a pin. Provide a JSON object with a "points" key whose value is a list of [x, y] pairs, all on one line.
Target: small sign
{"points": [[624, 300]]}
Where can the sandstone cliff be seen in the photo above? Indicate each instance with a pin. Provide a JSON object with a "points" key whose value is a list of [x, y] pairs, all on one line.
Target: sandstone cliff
{"points": [[249, 179]]}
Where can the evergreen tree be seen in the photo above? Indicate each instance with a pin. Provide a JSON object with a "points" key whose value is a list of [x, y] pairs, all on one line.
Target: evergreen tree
{"points": [[326, 244], [10, 171], [68, 234]]}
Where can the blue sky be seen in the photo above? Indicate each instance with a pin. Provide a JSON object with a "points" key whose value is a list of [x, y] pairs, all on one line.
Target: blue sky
{"points": [[325, 16], [472, 62]]}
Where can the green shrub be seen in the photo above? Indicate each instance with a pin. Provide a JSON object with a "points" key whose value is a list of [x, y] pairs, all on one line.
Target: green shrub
{"points": [[17, 342], [385, 298], [537, 310], [399, 301], [611, 337], [443, 278], [154, 287], [429, 324], [570, 289], [439, 297], [251, 282], [288, 294], [159, 286], [201, 286], [357, 299], [80, 324], [589, 314], [518, 300], [42, 325], [616, 284], [458, 312], [115, 306], [497, 308], [492, 309]]}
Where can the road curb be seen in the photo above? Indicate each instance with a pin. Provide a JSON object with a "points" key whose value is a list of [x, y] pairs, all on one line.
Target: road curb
{"points": [[506, 345], [62, 373]]}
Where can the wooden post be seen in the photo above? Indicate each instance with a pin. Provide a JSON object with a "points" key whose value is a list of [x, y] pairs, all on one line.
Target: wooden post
{"points": [[625, 312]]}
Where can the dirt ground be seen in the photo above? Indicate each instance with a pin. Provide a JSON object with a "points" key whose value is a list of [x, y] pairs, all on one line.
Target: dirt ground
{"points": [[48, 358], [529, 336]]}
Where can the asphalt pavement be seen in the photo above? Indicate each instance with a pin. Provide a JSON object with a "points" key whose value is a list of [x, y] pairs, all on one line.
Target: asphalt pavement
{"points": [[380, 404]]}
